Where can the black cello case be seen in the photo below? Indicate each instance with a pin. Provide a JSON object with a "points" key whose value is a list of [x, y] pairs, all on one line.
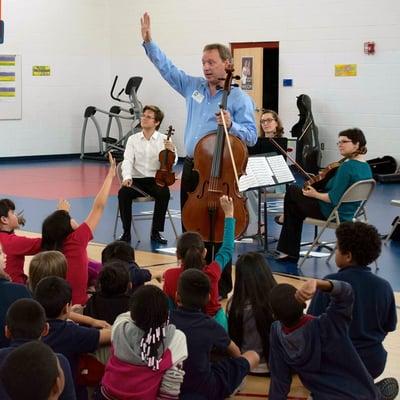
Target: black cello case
{"points": [[308, 152], [384, 169]]}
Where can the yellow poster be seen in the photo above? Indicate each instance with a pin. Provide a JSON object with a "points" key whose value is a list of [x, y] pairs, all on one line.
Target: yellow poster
{"points": [[41, 70], [346, 70]]}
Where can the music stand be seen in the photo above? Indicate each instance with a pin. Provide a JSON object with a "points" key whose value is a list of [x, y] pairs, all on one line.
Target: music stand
{"points": [[263, 172]]}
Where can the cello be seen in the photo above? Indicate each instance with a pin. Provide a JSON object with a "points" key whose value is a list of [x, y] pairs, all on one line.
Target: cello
{"points": [[218, 175], [308, 152], [165, 175]]}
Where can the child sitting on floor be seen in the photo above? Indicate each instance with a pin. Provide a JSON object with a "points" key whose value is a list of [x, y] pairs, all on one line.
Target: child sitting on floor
{"points": [[191, 253], [249, 311], [204, 379], [15, 246], [66, 337], [59, 234], [374, 310], [318, 349], [111, 297], [9, 293], [26, 322], [147, 351], [54, 263], [123, 251], [32, 372]]}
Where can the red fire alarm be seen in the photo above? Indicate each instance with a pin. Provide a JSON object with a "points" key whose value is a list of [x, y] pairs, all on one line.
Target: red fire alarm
{"points": [[369, 48]]}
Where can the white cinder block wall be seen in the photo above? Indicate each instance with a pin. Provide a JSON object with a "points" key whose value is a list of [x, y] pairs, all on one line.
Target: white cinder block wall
{"points": [[73, 38], [87, 42]]}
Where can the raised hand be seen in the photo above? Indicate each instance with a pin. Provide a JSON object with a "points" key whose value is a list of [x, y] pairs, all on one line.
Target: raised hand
{"points": [[64, 204], [146, 27], [306, 291], [113, 165], [227, 205]]}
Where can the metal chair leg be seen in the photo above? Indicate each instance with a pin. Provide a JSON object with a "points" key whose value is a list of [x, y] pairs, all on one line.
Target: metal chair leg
{"points": [[172, 223]]}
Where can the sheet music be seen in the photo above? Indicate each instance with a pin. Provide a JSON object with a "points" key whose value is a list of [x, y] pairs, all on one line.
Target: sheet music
{"points": [[265, 171], [258, 174], [282, 173]]}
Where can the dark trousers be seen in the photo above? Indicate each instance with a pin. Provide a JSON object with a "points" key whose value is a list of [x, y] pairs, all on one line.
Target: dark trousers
{"points": [[189, 182], [296, 208], [148, 185]]}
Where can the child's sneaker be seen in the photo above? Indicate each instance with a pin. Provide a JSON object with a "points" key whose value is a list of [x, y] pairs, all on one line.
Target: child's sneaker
{"points": [[389, 388]]}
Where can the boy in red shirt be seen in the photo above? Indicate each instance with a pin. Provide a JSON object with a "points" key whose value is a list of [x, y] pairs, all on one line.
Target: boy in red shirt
{"points": [[14, 246]]}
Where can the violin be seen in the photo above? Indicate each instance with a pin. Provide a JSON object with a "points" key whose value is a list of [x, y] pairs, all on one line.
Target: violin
{"points": [[164, 175], [219, 159], [308, 152]]}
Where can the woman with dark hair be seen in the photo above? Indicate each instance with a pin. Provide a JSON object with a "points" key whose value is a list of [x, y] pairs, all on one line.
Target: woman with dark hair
{"points": [[60, 232], [248, 310], [305, 202]]}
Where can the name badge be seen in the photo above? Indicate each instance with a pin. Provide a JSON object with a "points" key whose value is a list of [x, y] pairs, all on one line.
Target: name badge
{"points": [[196, 95]]}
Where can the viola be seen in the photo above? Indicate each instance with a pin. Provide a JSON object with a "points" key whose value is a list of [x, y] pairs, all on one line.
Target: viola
{"points": [[308, 152], [219, 159], [165, 176], [319, 181]]}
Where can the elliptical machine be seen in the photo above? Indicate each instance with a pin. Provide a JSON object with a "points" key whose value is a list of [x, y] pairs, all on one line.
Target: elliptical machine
{"points": [[107, 143]]}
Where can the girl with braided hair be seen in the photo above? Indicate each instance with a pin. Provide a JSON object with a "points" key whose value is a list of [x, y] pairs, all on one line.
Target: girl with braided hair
{"points": [[147, 351]]}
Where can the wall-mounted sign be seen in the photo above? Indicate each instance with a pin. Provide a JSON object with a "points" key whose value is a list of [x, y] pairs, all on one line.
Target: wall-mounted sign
{"points": [[346, 70], [41, 70]]}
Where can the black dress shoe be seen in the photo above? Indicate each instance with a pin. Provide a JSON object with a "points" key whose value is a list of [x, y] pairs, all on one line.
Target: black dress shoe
{"points": [[125, 237], [157, 237]]}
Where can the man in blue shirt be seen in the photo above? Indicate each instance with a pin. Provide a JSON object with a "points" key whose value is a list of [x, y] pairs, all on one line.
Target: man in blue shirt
{"points": [[203, 97]]}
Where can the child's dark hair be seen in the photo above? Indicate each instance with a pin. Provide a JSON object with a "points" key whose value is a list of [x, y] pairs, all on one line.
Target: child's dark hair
{"points": [[5, 206], [118, 250], [29, 371], [26, 319], [194, 289], [253, 283], [361, 240], [190, 250], [55, 229], [53, 293], [114, 278], [284, 305], [149, 311]]}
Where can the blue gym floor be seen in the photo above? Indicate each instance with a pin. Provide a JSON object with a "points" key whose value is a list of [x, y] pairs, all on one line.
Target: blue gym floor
{"points": [[36, 185]]}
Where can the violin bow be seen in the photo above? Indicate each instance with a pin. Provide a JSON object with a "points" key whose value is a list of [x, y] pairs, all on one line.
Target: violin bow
{"points": [[229, 146], [305, 130], [276, 144]]}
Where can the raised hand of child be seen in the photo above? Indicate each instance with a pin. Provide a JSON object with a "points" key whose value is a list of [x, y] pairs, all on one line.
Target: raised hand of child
{"points": [[64, 205], [113, 164], [306, 291], [227, 205]]}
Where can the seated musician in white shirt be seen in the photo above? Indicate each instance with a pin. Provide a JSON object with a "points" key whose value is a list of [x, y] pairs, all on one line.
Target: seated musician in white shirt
{"points": [[141, 162]]}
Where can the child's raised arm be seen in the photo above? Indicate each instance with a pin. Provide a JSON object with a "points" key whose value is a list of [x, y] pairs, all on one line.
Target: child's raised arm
{"points": [[308, 289], [101, 199], [227, 205], [225, 252]]}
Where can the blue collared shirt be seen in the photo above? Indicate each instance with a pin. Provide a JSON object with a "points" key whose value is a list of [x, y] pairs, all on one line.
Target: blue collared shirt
{"points": [[201, 106]]}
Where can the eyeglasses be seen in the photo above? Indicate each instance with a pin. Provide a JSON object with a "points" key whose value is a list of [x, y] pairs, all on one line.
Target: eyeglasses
{"points": [[146, 116], [343, 142], [264, 121]]}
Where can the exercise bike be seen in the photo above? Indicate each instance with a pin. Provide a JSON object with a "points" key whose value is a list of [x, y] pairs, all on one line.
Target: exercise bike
{"points": [[107, 143]]}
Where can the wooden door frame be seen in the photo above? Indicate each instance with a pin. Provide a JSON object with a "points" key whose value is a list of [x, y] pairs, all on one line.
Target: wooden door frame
{"points": [[264, 45]]}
